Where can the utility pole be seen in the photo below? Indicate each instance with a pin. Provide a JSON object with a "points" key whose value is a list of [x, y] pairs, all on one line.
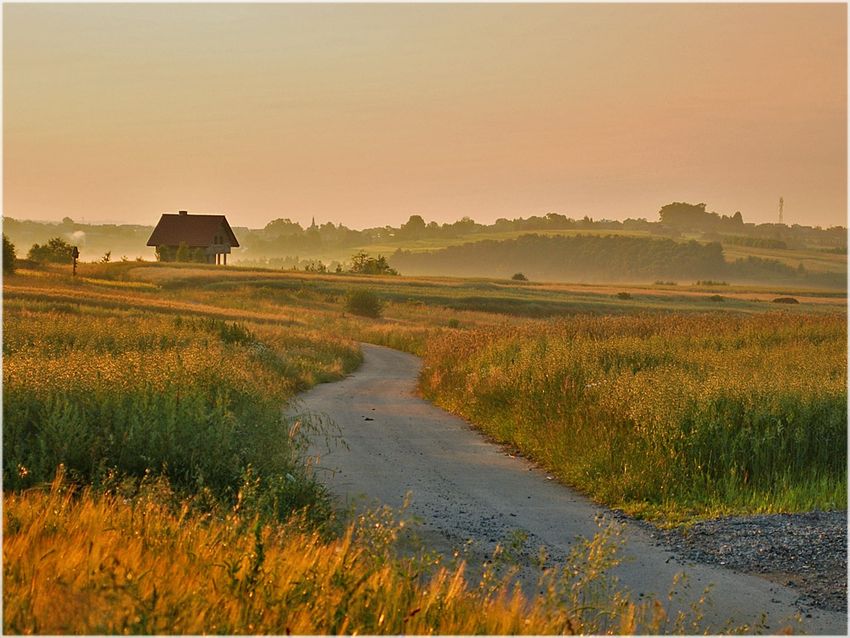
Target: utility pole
{"points": [[781, 206]]}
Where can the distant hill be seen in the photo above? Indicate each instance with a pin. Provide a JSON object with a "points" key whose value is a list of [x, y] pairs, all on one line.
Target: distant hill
{"points": [[611, 258]]}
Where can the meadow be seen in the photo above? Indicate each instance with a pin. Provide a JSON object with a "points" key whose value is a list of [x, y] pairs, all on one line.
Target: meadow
{"points": [[667, 417], [152, 485]]}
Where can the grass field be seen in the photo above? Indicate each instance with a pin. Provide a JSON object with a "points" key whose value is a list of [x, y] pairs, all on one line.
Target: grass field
{"points": [[183, 503], [667, 417]]}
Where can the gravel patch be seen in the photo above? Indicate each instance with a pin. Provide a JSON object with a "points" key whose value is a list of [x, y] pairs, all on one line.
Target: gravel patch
{"points": [[807, 552]]}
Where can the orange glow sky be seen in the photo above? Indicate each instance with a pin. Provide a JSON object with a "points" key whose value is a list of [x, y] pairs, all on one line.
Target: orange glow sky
{"points": [[365, 114]]}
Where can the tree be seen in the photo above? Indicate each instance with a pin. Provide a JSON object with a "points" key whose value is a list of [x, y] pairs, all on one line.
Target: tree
{"points": [[363, 264], [9, 256], [519, 277], [56, 251], [414, 227], [106, 257], [684, 215]]}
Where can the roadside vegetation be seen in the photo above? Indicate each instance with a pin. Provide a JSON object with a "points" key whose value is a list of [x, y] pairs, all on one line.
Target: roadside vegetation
{"points": [[666, 417], [153, 486]]}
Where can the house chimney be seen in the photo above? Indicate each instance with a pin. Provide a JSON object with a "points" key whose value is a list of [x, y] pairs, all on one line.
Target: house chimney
{"points": [[183, 212]]}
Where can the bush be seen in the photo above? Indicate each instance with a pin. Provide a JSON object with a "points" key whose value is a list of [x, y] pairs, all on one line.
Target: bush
{"points": [[9, 256], [519, 277], [623, 295], [364, 303], [785, 300], [55, 251]]}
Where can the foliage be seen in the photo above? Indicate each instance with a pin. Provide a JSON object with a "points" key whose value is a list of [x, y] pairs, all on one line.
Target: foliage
{"points": [[81, 562], [694, 217], [364, 264], [364, 302], [56, 251], [519, 277], [181, 253], [578, 258], [691, 414], [9, 256], [195, 400], [756, 242]]}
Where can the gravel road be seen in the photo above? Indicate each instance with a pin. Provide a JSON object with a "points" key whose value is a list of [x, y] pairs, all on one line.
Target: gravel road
{"points": [[466, 491]]}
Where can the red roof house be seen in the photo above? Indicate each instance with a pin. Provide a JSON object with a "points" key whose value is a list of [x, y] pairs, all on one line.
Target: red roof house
{"points": [[199, 238]]}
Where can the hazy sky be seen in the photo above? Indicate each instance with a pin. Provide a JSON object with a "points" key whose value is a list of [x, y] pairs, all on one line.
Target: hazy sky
{"points": [[365, 114]]}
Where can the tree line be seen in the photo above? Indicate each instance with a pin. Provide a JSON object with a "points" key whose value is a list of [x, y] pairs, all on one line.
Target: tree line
{"points": [[598, 258]]}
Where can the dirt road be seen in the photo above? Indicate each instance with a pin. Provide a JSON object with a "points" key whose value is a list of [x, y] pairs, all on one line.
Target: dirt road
{"points": [[465, 488]]}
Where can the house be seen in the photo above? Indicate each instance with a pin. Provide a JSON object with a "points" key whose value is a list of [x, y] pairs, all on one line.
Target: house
{"points": [[199, 238]]}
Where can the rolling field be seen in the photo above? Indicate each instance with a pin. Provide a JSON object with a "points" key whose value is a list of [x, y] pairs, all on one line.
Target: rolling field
{"points": [[156, 391], [151, 484], [666, 417]]}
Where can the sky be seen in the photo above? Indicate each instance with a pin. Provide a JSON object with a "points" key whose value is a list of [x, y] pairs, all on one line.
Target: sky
{"points": [[366, 114]]}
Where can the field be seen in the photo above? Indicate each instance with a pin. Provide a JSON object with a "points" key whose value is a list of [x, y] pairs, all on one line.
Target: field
{"points": [[150, 477], [665, 417]]}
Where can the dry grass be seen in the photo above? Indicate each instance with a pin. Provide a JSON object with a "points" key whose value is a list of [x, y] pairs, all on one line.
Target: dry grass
{"points": [[83, 563]]}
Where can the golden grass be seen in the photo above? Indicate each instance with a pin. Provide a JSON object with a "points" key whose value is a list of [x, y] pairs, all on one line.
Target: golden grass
{"points": [[83, 563]]}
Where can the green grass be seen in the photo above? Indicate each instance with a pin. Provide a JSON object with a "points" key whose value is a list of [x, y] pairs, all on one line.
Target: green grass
{"points": [[665, 416]]}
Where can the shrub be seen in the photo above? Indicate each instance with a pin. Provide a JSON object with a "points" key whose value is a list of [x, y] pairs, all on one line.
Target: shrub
{"points": [[364, 303], [55, 251], [623, 295], [8, 256], [785, 300], [519, 277]]}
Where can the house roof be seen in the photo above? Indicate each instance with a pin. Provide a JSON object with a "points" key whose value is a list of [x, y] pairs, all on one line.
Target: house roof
{"points": [[192, 230]]}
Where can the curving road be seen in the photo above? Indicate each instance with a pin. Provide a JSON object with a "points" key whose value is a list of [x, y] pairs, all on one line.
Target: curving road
{"points": [[465, 488]]}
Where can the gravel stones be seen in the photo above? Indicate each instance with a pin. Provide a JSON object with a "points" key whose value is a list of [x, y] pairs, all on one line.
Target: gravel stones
{"points": [[807, 552]]}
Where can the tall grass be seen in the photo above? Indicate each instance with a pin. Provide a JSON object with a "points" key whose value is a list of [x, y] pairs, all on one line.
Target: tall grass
{"points": [[677, 414], [195, 400], [83, 562]]}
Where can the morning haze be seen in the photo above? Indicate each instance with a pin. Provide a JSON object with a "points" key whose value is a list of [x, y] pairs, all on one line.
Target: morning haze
{"points": [[364, 114]]}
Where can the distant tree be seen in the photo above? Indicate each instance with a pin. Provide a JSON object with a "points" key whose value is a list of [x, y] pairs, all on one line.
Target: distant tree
{"points": [[56, 251], [283, 228], [67, 221], [9, 256], [362, 263], [106, 257], [684, 215], [519, 277], [415, 227]]}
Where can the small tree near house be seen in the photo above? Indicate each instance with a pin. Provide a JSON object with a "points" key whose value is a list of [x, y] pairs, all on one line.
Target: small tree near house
{"points": [[9, 256]]}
